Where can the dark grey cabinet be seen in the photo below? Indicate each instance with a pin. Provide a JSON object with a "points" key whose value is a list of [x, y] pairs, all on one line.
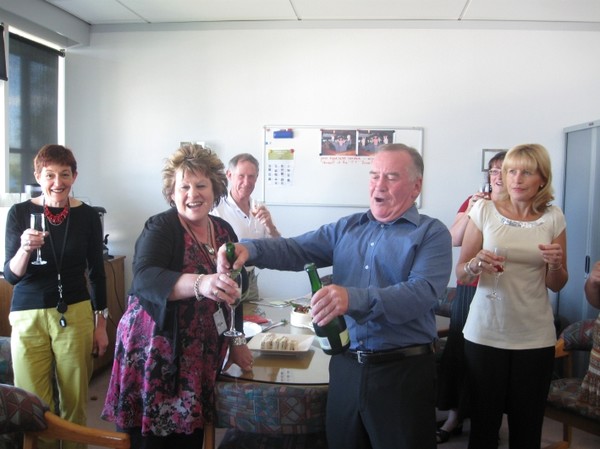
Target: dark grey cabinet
{"points": [[582, 211]]}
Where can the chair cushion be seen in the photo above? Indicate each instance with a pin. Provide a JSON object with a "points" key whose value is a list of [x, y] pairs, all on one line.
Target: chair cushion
{"points": [[236, 439], [590, 387], [564, 394], [578, 336], [20, 410], [6, 369], [271, 409]]}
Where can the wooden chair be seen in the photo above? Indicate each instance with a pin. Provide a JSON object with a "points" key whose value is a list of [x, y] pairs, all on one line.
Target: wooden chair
{"points": [[562, 402], [25, 416], [61, 429]]}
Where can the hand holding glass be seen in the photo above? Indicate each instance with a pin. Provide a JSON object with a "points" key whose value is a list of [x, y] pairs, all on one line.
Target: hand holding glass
{"points": [[232, 332], [38, 222], [499, 265]]}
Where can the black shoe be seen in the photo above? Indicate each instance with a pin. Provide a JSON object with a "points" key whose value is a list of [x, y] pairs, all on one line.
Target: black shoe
{"points": [[443, 436]]}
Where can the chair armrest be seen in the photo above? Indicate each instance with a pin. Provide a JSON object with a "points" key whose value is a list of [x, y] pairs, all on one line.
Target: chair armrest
{"points": [[61, 429], [559, 349]]}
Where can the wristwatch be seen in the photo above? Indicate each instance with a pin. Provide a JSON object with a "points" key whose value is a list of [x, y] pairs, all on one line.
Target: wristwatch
{"points": [[237, 341], [104, 313]]}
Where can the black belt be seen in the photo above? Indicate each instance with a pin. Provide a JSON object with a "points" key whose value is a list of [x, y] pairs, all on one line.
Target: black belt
{"points": [[365, 357]]}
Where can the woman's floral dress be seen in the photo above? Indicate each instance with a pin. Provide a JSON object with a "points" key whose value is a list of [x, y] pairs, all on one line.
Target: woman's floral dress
{"points": [[163, 382]]}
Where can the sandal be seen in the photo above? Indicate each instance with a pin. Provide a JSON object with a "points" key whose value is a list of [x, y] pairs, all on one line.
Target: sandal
{"points": [[443, 436]]}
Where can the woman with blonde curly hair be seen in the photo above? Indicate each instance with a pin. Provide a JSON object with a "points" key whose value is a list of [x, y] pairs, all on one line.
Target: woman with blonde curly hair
{"points": [[509, 338], [170, 343]]}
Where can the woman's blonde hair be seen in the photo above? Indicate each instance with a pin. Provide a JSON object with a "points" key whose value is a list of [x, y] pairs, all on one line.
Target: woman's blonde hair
{"points": [[197, 159], [535, 158]]}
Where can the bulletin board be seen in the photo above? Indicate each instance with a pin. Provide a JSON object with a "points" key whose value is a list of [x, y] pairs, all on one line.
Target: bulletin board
{"points": [[325, 166]]}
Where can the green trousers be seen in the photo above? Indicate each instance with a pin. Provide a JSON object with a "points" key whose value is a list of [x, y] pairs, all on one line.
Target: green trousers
{"points": [[55, 362]]}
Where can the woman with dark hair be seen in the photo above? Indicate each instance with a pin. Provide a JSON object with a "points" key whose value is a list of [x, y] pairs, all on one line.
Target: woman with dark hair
{"points": [[170, 343], [452, 385], [54, 331]]}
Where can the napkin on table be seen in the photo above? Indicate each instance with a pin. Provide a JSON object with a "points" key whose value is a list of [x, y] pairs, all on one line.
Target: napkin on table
{"points": [[256, 319]]}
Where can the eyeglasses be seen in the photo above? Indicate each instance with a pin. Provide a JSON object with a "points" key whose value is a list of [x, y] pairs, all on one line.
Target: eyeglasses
{"points": [[495, 172]]}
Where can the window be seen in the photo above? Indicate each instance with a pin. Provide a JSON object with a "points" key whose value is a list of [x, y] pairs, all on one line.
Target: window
{"points": [[33, 105]]}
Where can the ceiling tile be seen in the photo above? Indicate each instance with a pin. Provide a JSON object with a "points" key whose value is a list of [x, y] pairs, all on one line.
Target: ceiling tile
{"points": [[98, 11], [534, 10], [379, 9]]}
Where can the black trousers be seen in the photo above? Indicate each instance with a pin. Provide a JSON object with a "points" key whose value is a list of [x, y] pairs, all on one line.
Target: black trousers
{"points": [[515, 382], [381, 406]]}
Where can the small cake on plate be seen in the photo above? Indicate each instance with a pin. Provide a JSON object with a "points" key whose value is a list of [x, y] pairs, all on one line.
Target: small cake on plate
{"points": [[300, 316]]}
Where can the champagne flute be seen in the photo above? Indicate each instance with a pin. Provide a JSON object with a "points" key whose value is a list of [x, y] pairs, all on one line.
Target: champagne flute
{"points": [[38, 222], [499, 265], [485, 186], [256, 205], [232, 332]]}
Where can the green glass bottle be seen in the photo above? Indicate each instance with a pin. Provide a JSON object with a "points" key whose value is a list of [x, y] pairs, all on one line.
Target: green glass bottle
{"points": [[333, 337]]}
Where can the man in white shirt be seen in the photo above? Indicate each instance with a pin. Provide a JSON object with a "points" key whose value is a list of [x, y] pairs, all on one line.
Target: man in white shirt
{"points": [[250, 219]]}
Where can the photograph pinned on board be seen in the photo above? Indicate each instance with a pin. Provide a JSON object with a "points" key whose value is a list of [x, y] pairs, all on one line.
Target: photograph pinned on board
{"points": [[338, 142], [370, 139]]}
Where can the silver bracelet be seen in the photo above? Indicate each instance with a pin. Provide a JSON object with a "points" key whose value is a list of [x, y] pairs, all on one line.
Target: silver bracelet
{"points": [[199, 296], [238, 341], [468, 269], [559, 267]]}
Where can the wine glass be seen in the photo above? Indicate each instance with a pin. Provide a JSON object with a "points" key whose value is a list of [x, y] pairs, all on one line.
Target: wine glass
{"points": [[256, 205], [485, 186], [38, 222], [499, 265], [232, 332]]}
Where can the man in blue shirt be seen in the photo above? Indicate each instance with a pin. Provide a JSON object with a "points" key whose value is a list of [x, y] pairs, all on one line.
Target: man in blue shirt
{"points": [[390, 264]]}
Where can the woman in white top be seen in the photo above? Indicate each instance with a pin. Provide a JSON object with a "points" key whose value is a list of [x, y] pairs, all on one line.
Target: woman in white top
{"points": [[509, 344]]}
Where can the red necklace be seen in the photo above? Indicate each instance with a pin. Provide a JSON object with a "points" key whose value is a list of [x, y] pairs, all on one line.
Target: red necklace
{"points": [[58, 218]]}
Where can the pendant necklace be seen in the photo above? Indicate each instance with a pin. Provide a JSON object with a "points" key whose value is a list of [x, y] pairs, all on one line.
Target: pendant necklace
{"points": [[56, 219], [206, 246], [61, 305]]}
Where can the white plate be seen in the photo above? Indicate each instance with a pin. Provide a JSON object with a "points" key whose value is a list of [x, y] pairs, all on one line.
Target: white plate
{"points": [[251, 329], [304, 342]]}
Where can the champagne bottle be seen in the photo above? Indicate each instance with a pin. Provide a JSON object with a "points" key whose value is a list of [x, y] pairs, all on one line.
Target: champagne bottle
{"points": [[333, 337], [230, 253]]}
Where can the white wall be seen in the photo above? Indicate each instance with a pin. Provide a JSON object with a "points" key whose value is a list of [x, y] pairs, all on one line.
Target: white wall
{"points": [[132, 96]]}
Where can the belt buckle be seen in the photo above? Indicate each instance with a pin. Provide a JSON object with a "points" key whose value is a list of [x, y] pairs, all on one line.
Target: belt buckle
{"points": [[359, 357]]}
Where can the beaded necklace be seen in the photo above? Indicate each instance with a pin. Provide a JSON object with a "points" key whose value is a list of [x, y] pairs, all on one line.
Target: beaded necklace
{"points": [[57, 219]]}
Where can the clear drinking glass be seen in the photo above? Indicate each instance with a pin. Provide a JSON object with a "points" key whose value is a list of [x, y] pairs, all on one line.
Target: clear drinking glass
{"points": [[498, 251], [38, 222], [256, 205], [232, 332], [485, 186]]}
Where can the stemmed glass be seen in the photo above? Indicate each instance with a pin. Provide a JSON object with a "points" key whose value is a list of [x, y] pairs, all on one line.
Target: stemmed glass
{"points": [[232, 332], [499, 265], [38, 222], [485, 186], [256, 205]]}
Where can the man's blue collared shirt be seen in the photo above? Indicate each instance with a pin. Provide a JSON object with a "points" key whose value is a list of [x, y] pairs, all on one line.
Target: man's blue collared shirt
{"points": [[394, 272]]}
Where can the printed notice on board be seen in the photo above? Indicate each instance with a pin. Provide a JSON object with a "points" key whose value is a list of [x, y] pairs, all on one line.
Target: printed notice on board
{"points": [[280, 167]]}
